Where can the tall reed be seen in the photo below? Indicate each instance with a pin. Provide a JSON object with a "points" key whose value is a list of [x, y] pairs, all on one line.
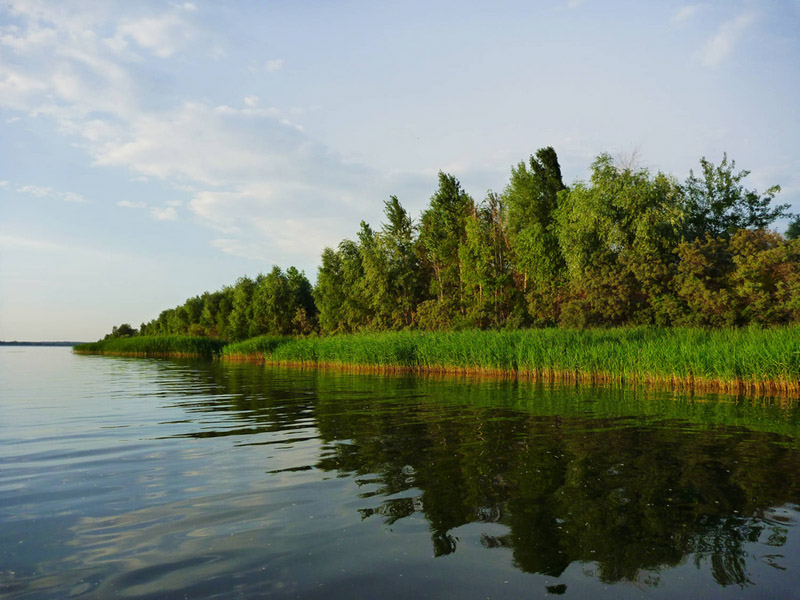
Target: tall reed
{"points": [[757, 358], [154, 345]]}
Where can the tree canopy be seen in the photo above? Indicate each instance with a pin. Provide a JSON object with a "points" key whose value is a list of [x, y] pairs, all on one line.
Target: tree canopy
{"points": [[628, 246]]}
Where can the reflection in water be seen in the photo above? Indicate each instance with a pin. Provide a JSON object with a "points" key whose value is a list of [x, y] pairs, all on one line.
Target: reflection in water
{"points": [[249, 481]]}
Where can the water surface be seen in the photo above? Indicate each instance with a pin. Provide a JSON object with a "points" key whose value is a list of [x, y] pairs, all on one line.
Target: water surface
{"points": [[143, 478]]}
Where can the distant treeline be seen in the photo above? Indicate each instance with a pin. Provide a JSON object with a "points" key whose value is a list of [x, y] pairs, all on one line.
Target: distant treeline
{"points": [[626, 247]]}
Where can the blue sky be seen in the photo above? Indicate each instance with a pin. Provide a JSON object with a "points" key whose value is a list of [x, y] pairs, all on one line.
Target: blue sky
{"points": [[155, 150]]}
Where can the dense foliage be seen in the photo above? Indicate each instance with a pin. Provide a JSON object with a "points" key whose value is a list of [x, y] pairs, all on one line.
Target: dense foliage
{"points": [[627, 247]]}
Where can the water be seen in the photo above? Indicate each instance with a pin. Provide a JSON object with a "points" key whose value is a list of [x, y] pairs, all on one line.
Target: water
{"points": [[178, 479]]}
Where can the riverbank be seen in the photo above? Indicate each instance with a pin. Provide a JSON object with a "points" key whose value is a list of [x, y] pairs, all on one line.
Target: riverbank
{"points": [[752, 360], [155, 346]]}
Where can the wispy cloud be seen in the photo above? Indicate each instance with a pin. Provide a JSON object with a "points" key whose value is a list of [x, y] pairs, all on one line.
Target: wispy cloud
{"points": [[164, 214], [48, 192], [130, 204], [724, 41], [244, 165], [275, 64], [685, 14]]}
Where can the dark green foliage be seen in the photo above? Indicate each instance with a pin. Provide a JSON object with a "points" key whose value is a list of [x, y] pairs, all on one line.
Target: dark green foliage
{"points": [[793, 231], [124, 330], [442, 232], [616, 235], [718, 204], [531, 200]]}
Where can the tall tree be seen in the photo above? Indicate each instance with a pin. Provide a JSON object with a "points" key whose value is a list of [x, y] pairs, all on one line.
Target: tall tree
{"points": [[242, 324], [329, 292], [617, 235], [442, 232], [531, 199], [405, 282], [717, 203]]}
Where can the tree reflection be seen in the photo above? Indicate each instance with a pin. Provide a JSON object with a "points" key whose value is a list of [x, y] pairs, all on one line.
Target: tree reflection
{"points": [[604, 477]]}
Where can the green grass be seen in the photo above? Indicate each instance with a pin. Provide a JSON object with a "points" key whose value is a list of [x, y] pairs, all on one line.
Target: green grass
{"points": [[755, 359], [167, 345], [257, 347], [759, 357]]}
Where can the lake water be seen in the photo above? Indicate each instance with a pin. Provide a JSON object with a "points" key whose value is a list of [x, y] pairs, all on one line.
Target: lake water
{"points": [[141, 478]]}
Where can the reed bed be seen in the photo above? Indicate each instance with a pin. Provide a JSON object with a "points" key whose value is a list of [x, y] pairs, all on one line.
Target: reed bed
{"points": [[257, 348], [154, 346], [753, 360], [750, 360]]}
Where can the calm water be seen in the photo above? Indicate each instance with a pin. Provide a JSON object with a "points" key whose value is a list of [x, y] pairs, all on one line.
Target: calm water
{"points": [[174, 479]]}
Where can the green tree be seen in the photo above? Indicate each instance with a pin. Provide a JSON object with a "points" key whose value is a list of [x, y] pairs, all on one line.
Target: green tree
{"points": [[717, 203], [405, 283], [124, 330], [793, 231], [617, 235], [442, 233], [339, 293], [329, 293], [241, 315], [531, 198], [272, 304], [304, 311]]}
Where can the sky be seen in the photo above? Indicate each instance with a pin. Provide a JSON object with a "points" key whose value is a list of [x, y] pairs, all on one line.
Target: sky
{"points": [[152, 151]]}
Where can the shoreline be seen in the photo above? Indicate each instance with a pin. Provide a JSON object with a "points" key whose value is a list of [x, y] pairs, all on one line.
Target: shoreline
{"points": [[753, 362]]}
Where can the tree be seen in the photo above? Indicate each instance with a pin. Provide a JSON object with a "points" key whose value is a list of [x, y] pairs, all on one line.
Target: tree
{"points": [[793, 231], [531, 198], [404, 271], [124, 330], [441, 234], [241, 315], [717, 203], [329, 293], [272, 304], [616, 235]]}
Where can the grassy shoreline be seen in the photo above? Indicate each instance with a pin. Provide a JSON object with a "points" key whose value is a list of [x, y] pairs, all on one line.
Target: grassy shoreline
{"points": [[147, 346], [750, 361]]}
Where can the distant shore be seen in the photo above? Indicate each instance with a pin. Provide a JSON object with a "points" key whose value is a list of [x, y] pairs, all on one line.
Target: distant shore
{"points": [[760, 361], [16, 343]]}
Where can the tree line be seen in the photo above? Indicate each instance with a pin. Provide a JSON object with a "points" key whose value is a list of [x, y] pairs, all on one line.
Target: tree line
{"points": [[628, 246]]}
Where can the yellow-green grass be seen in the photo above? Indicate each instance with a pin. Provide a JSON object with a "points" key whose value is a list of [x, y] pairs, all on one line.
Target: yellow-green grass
{"points": [[154, 346], [765, 360], [257, 348], [751, 360]]}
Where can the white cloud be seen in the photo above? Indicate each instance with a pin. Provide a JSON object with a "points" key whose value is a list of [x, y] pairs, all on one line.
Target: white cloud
{"points": [[164, 214], [72, 197], [130, 204], [685, 14], [35, 190], [250, 170], [4, 183], [162, 35], [725, 39], [48, 192], [275, 64]]}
